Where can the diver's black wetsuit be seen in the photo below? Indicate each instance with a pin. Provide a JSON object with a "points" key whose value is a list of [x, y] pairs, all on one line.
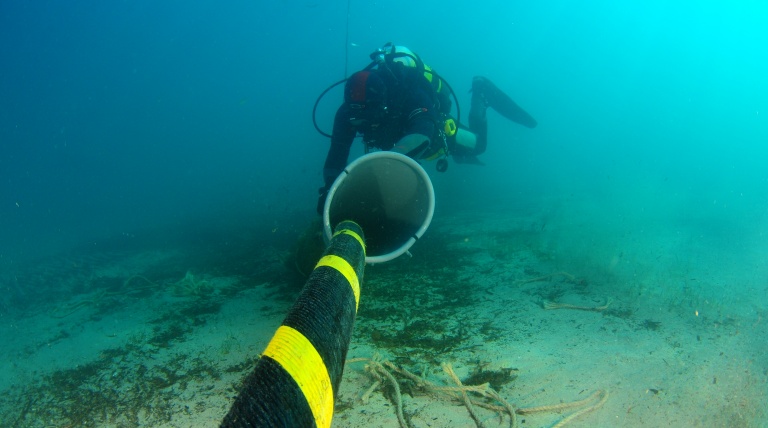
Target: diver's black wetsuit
{"points": [[412, 116], [410, 109]]}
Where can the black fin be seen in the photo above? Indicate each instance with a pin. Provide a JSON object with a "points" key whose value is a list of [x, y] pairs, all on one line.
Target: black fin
{"points": [[501, 102]]}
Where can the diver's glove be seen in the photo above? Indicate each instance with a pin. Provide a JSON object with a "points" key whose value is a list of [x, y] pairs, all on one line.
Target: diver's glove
{"points": [[323, 191], [412, 145]]}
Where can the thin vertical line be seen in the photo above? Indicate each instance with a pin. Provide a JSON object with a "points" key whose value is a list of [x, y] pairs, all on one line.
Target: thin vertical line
{"points": [[346, 42]]}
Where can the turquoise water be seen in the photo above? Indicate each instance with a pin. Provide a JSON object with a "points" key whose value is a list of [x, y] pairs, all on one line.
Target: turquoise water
{"points": [[129, 128], [122, 116]]}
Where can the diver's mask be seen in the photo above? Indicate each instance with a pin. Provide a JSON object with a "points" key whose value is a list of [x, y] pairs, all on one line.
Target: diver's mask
{"points": [[389, 54], [379, 55]]}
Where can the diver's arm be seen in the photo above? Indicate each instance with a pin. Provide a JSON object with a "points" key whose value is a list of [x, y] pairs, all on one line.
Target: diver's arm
{"points": [[419, 126], [341, 141]]}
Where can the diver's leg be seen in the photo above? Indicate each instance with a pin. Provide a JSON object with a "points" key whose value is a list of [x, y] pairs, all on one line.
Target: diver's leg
{"points": [[478, 122], [464, 147]]}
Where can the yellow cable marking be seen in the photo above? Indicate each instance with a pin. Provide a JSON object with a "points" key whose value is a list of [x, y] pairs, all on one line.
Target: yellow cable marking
{"points": [[354, 235], [300, 359], [344, 268]]}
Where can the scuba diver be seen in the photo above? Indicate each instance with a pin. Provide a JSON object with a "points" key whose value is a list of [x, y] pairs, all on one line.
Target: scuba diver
{"points": [[399, 103]]}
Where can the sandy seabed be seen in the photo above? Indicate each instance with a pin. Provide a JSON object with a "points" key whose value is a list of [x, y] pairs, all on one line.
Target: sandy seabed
{"points": [[162, 337]]}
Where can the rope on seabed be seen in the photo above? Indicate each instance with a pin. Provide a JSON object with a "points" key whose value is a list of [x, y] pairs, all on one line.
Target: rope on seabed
{"points": [[382, 370]]}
